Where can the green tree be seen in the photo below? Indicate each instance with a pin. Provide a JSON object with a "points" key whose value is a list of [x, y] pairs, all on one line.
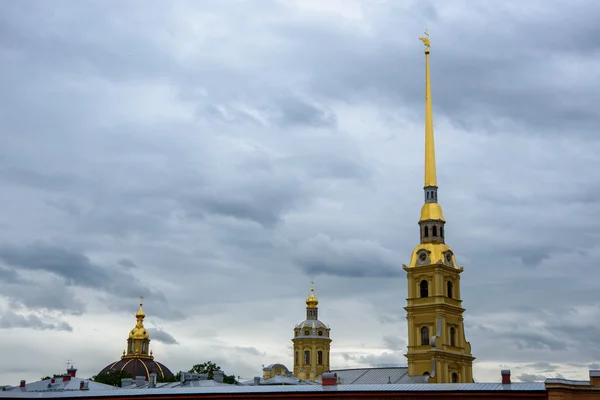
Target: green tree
{"points": [[53, 376], [210, 368], [111, 377]]}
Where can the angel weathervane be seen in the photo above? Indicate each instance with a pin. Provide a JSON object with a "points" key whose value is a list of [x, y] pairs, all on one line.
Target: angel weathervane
{"points": [[425, 40]]}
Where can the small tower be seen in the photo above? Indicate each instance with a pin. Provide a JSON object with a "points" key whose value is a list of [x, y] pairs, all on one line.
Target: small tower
{"points": [[138, 343], [436, 337], [311, 343]]}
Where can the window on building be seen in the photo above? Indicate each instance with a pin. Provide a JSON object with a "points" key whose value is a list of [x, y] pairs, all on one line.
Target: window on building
{"points": [[131, 347], [425, 336], [296, 358], [442, 231], [452, 337], [426, 373], [320, 333], [320, 357], [143, 347], [454, 377], [434, 229], [306, 332], [306, 356], [426, 231], [449, 287], [424, 288]]}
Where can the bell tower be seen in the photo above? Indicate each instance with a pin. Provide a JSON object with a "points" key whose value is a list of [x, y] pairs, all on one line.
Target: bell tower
{"points": [[311, 343], [437, 346]]}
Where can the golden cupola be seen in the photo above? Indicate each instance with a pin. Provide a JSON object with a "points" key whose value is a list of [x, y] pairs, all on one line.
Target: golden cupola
{"points": [[312, 301], [138, 331]]}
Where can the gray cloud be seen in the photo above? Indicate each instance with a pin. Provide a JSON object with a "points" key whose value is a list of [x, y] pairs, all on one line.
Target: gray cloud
{"points": [[232, 159], [531, 378], [354, 258], [160, 335], [250, 350], [394, 343], [10, 319], [127, 263], [74, 269]]}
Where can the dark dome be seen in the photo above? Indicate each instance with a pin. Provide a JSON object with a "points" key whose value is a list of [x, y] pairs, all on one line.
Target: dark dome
{"points": [[140, 367]]}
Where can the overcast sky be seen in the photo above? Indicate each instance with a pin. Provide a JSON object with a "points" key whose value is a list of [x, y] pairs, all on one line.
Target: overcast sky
{"points": [[217, 156]]}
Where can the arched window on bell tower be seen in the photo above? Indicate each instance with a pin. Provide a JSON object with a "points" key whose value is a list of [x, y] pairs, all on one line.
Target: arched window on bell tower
{"points": [[424, 288], [424, 336], [449, 288], [452, 337]]}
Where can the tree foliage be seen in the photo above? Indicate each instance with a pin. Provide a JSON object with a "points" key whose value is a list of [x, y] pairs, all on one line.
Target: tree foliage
{"points": [[53, 376], [209, 368], [112, 377]]}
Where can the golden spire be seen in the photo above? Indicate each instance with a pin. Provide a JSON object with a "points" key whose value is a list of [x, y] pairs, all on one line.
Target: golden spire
{"points": [[430, 176], [140, 314], [311, 301]]}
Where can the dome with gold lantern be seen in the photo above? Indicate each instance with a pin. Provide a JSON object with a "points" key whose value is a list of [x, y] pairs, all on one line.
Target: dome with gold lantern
{"points": [[137, 359], [312, 342]]}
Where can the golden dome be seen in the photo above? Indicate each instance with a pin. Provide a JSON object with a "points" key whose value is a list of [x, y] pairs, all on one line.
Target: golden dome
{"points": [[139, 332], [311, 301], [432, 211]]}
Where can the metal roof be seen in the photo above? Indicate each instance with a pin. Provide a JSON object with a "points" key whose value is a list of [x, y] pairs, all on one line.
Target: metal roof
{"points": [[234, 389], [358, 376], [58, 385]]}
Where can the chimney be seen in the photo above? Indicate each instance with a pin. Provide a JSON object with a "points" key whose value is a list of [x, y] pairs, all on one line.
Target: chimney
{"points": [[595, 377], [53, 381], [152, 380], [126, 382], [66, 378], [218, 376], [505, 376], [83, 385], [329, 379], [72, 371], [256, 380], [22, 383]]}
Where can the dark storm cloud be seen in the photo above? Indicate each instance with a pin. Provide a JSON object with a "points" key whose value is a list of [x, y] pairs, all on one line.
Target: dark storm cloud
{"points": [[42, 295], [160, 335], [127, 263], [74, 268], [351, 258], [291, 111], [12, 320]]}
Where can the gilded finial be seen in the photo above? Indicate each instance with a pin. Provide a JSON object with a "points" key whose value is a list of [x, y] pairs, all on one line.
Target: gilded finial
{"points": [[312, 301], [425, 40], [141, 300]]}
